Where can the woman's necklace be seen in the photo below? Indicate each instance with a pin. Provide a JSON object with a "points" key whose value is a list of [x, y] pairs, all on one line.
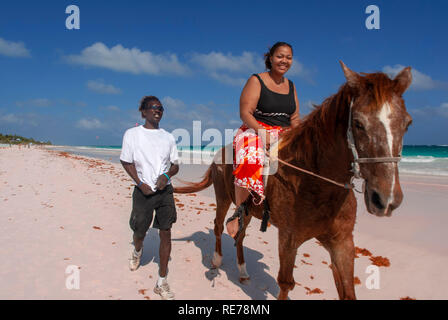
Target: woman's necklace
{"points": [[277, 82]]}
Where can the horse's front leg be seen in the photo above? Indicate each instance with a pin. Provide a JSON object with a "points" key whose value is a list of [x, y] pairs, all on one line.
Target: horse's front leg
{"points": [[244, 276], [287, 249], [342, 253]]}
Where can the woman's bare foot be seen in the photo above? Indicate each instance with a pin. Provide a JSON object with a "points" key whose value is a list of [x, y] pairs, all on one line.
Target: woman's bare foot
{"points": [[232, 227]]}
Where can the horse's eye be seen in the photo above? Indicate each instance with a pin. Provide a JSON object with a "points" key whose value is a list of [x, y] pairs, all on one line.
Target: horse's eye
{"points": [[359, 125]]}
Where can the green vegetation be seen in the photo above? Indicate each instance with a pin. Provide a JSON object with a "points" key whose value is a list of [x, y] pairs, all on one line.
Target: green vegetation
{"points": [[15, 139]]}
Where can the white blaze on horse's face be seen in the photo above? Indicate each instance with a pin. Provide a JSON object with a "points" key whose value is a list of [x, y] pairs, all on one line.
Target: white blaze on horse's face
{"points": [[385, 118], [384, 115]]}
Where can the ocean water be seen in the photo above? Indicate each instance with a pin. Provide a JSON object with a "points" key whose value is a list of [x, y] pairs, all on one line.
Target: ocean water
{"points": [[428, 160], [423, 160]]}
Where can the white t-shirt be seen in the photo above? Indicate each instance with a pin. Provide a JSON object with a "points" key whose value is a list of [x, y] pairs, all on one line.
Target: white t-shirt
{"points": [[151, 150]]}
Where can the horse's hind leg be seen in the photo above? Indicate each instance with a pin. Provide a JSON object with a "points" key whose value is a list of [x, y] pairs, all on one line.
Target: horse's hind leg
{"points": [[342, 252], [222, 206], [287, 249], [244, 276]]}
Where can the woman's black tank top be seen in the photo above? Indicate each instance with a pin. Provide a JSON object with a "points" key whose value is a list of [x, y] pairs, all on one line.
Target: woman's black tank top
{"points": [[274, 108]]}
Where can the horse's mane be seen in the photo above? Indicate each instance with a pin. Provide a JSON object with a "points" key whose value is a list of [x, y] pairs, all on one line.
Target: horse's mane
{"points": [[318, 129]]}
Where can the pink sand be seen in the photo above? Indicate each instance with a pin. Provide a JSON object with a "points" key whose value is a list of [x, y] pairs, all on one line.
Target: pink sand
{"points": [[58, 211]]}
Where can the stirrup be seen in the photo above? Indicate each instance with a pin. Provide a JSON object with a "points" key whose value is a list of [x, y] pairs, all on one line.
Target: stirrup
{"points": [[239, 214]]}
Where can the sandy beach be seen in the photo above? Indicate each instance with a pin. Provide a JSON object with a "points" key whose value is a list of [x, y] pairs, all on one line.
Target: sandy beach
{"points": [[60, 210]]}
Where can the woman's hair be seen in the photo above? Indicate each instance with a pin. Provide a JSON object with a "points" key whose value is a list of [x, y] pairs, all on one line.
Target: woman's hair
{"points": [[146, 100], [271, 52]]}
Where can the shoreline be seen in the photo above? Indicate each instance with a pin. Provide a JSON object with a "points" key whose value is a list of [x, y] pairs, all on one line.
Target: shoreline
{"points": [[205, 157]]}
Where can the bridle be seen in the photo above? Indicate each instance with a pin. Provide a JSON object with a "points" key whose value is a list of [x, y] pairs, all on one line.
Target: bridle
{"points": [[356, 160]]}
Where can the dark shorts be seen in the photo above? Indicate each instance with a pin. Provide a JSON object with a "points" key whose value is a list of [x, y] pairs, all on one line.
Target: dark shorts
{"points": [[143, 211]]}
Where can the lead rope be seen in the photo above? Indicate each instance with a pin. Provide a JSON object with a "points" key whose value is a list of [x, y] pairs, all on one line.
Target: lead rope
{"points": [[345, 185]]}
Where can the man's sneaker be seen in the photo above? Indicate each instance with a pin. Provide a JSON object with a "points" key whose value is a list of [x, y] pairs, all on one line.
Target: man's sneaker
{"points": [[134, 261], [164, 291]]}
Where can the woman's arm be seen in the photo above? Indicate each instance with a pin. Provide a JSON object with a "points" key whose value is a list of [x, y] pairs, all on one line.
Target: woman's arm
{"points": [[248, 103], [295, 117]]}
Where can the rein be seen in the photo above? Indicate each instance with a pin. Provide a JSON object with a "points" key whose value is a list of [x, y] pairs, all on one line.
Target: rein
{"points": [[356, 160], [345, 186]]}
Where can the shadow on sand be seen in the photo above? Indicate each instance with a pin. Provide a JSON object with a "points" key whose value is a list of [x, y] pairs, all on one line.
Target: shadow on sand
{"points": [[261, 282], [151, 248]]}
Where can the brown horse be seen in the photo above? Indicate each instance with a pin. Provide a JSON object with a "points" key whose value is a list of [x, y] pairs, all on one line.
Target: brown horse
{"points": [[370, 109]]}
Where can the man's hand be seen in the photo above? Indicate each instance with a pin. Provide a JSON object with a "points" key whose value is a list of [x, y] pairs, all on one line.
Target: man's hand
{"points": [[146, 189], [161, 182]]}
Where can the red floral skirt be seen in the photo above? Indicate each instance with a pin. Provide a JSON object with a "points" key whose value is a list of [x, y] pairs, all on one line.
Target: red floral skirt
{"points": [[249, 157]]}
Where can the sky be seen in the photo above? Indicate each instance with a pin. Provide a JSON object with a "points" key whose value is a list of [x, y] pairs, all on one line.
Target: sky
{"points": [[83, 86]]}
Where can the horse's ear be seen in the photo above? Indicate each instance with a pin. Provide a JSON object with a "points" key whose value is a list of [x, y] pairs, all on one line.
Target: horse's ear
{"points": [[353, 79], [403, 80]]}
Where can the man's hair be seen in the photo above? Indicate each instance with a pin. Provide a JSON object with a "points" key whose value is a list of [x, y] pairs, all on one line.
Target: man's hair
{"points": [[146, 101]]}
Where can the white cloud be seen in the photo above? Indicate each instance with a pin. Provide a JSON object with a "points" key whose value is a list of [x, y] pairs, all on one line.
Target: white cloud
{"points": [[227, 79], [39, 102], [172, 103], [420, 81], [133, 60], [440, 111], [99, 86], [247, 62], [112, 108], [13, 49], [225, 67], [44, 102], [29, 119], [90, 124], [11, 118]]}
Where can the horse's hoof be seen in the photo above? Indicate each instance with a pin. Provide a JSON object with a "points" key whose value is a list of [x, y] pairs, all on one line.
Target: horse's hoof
{"points": [[244, 276], [217, 260], [245, 281]]}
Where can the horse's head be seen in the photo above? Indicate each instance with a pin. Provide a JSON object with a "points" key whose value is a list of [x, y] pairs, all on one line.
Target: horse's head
{"points": [[379, 122]]}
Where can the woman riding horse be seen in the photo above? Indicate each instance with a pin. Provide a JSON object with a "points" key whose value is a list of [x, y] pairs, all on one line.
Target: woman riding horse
{"points": [[268, 107]]}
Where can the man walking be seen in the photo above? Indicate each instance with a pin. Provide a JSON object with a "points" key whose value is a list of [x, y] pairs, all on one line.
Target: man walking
{"points": [[149, 156]]}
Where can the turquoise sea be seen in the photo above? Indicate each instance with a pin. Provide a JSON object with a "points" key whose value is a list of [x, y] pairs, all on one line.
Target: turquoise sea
{"points": [[424, 159]]}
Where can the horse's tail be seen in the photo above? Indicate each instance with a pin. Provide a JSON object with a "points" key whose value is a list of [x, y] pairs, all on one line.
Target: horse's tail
{"points": [[196, 186]]}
